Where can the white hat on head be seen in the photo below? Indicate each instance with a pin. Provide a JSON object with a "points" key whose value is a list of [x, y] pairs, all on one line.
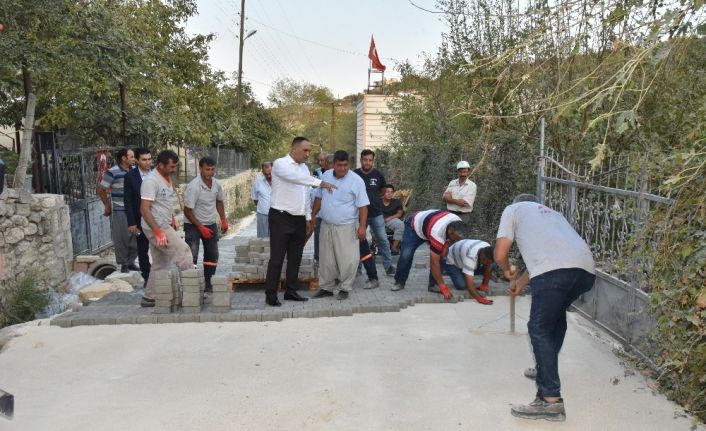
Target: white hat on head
{"points": [[463, 165]]}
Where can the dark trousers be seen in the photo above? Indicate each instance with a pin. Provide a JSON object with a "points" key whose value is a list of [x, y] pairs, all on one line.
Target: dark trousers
{"points": [[552, 293], [143, 255], [193, 238], [317, 232], [370, 270], [287, 237]]}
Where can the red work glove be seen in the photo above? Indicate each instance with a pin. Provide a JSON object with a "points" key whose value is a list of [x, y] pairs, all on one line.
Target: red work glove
{"points": [[224, 225], [445, 291], [483, 287], [484, 301], [160, 237], [206, 233]]}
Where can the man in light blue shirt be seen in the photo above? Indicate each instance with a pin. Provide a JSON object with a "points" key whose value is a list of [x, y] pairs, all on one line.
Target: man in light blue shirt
{"points": [[261, 194], [343, 217]]}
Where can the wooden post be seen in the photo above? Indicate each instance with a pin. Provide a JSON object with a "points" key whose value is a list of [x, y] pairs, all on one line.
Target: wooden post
{"points": [[512, 314]]}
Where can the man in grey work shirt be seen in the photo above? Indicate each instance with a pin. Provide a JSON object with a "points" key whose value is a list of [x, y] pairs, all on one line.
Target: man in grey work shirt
{"points": [[560, 268], [344, 215], [203, 198], [157, 208], [261, 194]]}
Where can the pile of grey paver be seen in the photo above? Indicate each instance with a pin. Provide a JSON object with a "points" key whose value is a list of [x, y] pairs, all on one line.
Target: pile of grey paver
{"points": [[251, 261], [167, 292], [220, 300], [186, 289], [193, 285]]}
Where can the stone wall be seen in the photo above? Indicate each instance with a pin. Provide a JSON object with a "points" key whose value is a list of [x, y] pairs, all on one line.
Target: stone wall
{"points": [[35, 238], [237, 190]]}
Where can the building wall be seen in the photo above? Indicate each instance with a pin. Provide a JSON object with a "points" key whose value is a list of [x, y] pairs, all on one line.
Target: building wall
{"points": [[7, 137], [373, 114]]}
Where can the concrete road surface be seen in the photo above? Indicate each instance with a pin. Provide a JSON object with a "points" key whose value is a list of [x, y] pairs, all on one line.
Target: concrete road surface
{"points": [[429, 367]]}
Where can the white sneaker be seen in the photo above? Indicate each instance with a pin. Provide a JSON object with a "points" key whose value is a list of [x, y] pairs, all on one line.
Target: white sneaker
{"points": [[371, 284]]}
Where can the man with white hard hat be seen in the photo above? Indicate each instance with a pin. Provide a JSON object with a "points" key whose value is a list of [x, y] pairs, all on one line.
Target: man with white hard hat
{"points": [[461, 193]]}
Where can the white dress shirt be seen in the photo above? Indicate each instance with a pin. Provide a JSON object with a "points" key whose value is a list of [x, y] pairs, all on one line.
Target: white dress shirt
{"points": [[290, 187]]}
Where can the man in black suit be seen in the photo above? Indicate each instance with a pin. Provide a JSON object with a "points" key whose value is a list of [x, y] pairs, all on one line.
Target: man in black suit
{"points": [[133, 181]]}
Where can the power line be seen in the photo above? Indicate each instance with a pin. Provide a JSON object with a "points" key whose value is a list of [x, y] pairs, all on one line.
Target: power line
{"points": [[333, 48], [425, 10]]}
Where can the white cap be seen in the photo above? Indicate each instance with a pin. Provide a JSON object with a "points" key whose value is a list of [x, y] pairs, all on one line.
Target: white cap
{"points": [[463, 165]]}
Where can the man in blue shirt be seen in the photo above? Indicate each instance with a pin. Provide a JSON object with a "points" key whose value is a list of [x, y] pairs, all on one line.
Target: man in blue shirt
{"points": [[344, 216]]}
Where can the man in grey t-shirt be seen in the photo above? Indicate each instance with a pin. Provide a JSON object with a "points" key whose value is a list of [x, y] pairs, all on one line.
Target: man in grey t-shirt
{"points": [[560, 268], [157, 208], [203, 201]]}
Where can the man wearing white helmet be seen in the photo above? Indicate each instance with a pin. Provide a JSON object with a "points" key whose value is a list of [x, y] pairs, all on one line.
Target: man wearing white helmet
{"points": [[461, 192]]}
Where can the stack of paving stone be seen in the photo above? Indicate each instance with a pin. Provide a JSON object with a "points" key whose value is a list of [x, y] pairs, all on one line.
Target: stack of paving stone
{"points": [[193, 285], [251, 261], [221, 295], [167, 294]]}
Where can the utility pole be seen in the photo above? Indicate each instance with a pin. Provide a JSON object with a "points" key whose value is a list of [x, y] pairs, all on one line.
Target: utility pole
{"points": [[240, 56], [123, 114]]}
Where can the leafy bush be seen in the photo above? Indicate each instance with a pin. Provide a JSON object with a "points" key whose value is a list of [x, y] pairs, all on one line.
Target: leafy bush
{"points": [[25, 299]]}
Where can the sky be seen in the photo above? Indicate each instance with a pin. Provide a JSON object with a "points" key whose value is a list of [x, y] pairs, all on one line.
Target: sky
{"points": [[324, 42]]}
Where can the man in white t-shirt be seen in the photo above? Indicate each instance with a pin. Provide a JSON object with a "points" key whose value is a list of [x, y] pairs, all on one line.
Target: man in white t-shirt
{"points": [[465, 259], [560, 268]]}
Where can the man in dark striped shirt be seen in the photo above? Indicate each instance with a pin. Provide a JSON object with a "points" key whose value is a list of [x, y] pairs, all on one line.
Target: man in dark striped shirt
{"points": [[124, 242], [440, 229]]}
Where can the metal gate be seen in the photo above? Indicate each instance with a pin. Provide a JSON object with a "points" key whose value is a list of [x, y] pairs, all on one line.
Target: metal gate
{"points": [[607, 206], [73, 172]]}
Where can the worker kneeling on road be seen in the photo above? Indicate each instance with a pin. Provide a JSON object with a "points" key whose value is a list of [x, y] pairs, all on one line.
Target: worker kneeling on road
{"points": [[466, 258], [440, 229]]}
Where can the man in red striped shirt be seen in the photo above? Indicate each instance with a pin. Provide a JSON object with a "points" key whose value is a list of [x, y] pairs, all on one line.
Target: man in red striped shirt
{"points": [[440, 229]]}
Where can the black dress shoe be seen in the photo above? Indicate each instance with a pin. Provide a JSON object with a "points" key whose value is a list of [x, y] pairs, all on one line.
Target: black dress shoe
{"points": [[274, 302], [342, 295], [124, 269], [294, 296], [322, 294]]}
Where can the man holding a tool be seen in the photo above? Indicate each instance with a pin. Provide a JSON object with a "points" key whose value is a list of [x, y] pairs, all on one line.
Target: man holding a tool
{"points": [[560, 268]]}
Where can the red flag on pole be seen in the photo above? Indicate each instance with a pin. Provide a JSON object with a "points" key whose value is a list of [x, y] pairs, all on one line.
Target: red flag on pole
{"points": [[373, 56]]}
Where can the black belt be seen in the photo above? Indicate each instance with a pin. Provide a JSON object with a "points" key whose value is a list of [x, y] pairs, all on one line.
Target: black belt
{"points": [[286, 213]]}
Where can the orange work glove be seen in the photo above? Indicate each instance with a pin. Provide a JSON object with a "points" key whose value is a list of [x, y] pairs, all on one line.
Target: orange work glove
{"points": [[160, 237], [206, 233], [445, 291]]}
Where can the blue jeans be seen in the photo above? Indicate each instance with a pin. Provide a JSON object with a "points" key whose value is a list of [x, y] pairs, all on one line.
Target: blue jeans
{"points": [[377, 228], [458, 278], [410, 242], [552, 293], [263, 226]]}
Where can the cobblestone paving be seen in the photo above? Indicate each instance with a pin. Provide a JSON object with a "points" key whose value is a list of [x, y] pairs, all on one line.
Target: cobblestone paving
{"points": [[248, 302]]}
